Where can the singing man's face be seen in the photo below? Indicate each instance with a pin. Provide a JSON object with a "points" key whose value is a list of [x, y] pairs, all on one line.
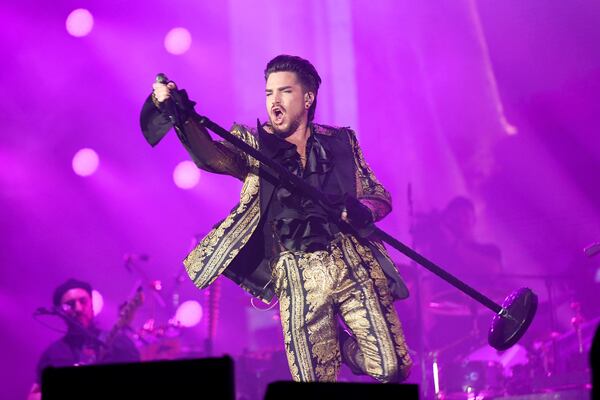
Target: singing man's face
{"points": [[78, 304], [286, 102]]}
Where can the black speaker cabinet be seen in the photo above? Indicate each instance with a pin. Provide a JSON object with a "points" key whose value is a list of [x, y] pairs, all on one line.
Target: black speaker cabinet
{"points": [[341, 391], [203, 378]]}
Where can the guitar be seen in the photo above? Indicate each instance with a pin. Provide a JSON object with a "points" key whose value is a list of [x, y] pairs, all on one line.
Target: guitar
{"points": [[126, 314]]}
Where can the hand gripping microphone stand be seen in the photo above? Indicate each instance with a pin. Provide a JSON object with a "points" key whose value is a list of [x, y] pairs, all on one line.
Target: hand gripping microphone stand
{"points": [[512, 318]]}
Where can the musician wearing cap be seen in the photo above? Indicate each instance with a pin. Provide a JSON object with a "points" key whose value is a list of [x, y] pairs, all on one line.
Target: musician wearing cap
{"points": [[276, 242], [84, 343]]}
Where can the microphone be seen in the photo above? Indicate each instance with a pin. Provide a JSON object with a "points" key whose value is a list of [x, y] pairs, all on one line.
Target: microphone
{"points": [[162, 78], [592, 249], [74, 325], [170, 105], [43, 311], [59, 311]]}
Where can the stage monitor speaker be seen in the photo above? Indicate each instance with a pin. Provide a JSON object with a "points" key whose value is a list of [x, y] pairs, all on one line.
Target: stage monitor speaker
{"points": [[340, 390], [203, 378]]}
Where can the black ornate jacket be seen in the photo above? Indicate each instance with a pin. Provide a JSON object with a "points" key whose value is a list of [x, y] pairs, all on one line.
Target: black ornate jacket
{"points": [[235, 247]]}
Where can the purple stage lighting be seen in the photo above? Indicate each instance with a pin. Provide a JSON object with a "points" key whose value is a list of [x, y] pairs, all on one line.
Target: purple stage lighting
{"points": [[80, 22], [85, 162], [188, 314], [97, 302], [186, 175], [178, 41]]}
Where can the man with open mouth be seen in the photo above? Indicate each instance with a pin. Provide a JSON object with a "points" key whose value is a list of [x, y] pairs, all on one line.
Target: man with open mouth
{"points": [[326, 272]]}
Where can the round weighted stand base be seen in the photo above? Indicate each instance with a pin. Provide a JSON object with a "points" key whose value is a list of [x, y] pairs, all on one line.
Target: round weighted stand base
{"points": [[511, 323]]}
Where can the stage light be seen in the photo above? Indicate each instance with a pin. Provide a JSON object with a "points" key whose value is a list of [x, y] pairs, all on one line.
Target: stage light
{"points": [[97, 302], [188, 314], [186, 175], [85, 162], [80, 22], [178, 41]]}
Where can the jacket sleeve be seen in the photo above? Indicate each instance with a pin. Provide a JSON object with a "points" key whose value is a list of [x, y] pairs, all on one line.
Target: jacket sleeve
{"points": [[215, 156], [369, 190]]}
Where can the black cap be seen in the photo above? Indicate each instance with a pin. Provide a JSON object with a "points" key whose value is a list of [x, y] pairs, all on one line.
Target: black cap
{"points": [[68, 285]]}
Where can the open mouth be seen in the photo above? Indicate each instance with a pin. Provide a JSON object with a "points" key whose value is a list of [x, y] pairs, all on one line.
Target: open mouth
{"points": [[278, 114]]}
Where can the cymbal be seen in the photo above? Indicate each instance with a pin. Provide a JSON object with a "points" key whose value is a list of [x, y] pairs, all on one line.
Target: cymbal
{"points": [[453, 303], [452, 309]]}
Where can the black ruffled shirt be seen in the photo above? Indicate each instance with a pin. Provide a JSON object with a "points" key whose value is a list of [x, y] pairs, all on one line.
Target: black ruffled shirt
{"points": [[293, 222]]}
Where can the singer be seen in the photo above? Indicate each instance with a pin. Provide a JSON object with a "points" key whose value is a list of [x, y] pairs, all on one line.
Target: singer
{"points": [[83, 342], [278, 243]]}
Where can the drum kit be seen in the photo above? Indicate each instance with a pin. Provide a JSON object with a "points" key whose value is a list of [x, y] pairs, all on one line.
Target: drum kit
{"points": [[462, 368], [467, 368]]}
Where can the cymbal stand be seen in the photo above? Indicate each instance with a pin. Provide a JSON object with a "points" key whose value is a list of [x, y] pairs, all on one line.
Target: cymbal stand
{"points": [[419, 307], [551, 359], [436, 375], [576, 321], [133, 267]]}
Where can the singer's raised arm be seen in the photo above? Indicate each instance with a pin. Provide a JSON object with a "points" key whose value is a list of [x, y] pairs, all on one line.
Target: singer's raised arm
{"points": [[210, 155]]}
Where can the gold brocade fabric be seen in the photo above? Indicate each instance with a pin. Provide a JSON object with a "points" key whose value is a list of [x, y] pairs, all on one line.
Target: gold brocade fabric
{"points": [[345, 280], [215, 252]]}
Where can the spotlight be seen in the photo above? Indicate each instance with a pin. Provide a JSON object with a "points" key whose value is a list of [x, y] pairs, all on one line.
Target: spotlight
{"points": [[188, 314], [97, 302], [80, 22], [178, 41], [85, 162], [186, 175]]}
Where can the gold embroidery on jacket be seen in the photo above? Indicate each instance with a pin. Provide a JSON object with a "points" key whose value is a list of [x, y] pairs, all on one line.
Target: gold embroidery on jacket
{"points": [[222, 244], [367, 185]]}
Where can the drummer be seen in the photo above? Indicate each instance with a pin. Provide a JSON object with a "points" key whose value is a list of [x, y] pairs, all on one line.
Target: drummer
{"points": [[448, 238]]}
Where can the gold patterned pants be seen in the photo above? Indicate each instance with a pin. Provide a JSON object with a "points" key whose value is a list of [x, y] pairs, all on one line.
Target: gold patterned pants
{"points": [[346, 281]]}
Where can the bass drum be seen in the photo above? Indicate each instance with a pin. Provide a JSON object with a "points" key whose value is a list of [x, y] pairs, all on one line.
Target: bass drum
{"points": [[471, 379]]}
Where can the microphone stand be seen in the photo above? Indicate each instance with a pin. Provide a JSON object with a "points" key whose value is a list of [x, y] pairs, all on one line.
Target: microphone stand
{"points": [[418, 304], [512, 318], [73, 325]]}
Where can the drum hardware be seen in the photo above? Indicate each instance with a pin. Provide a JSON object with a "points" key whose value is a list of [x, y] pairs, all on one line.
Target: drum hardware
{"points": [[452, 309], [471, 380], [520, 370], [480, 374], [576, 321], [212, 296], [132, 264], [158, 342], [436, 376], [549, 371], [160, 335]]}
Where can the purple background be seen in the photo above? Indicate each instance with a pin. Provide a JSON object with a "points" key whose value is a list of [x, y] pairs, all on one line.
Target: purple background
{"points": [[432, 90]]}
